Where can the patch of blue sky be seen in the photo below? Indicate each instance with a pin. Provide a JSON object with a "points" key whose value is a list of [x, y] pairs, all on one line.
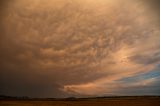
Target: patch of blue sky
{"points": [[155, 73]]}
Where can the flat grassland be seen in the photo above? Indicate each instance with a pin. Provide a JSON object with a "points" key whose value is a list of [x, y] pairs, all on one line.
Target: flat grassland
{"points": [[124, 101]]}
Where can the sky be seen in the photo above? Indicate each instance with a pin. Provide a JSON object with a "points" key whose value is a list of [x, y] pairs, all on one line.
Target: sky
{"points": [[79, 48]]}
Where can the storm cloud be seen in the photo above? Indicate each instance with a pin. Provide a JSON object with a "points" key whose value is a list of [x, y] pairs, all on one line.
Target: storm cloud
{"points": [[61, 48]]}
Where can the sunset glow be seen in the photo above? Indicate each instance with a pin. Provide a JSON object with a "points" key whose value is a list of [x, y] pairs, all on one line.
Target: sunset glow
{"points": [[80, 48]]}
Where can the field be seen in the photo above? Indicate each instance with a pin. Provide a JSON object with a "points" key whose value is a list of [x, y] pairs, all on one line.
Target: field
{"points": [[121, 101]]}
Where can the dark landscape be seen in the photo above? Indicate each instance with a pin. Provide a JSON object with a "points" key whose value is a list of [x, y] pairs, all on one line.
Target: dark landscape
{"points": [[98, 101]]}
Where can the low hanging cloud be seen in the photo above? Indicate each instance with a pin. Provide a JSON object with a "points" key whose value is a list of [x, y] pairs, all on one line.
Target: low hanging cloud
{"points": [[76, 47]]}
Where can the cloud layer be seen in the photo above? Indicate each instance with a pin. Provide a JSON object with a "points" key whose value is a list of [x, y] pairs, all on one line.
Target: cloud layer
{"points": [[59, 48]]}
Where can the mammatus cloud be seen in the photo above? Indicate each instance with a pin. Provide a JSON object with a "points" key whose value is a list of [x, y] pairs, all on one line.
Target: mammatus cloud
{"points": [[77, 47]]}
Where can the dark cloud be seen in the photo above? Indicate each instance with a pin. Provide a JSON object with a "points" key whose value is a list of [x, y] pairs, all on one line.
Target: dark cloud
{"points": [[154, 8], [154, 4], [146, 59]]}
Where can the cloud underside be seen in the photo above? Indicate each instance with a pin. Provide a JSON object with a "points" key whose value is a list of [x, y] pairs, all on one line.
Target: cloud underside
{"points": [[77, 47]]}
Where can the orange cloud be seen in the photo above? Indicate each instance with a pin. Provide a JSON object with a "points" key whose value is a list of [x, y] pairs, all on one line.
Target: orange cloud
{"points": [[67, 47]]}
